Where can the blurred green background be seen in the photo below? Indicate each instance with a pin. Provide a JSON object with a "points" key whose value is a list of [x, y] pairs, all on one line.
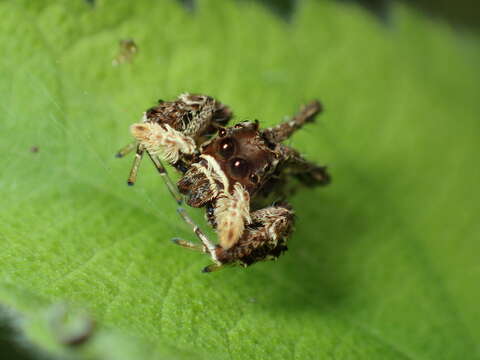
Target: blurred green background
{"points": [[463, 14], [383, 263]]}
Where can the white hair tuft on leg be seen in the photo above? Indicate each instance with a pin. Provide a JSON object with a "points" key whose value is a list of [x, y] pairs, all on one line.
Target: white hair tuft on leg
{"points": [[163, 140], [232, 212]]}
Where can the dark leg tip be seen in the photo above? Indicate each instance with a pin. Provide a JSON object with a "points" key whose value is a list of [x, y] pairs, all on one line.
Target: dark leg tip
{"points": [[130, 183], [206, 269], [118, 155], [175, 240]]}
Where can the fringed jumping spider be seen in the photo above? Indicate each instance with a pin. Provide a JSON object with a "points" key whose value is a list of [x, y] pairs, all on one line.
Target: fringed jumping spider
{"points": [[234, 172]]}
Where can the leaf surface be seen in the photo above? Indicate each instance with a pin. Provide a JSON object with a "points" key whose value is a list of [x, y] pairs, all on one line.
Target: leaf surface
{"points": [[383, 263]]}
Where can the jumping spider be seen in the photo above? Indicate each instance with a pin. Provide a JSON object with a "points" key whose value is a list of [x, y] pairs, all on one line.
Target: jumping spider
{"points": [[231, 171]]}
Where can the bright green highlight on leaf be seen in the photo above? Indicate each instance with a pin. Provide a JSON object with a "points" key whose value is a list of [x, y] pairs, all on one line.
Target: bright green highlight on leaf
{"points": [[384, 262]]}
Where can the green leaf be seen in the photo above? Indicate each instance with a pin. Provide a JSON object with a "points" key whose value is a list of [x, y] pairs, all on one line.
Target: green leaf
{"points": [[383, 263]]}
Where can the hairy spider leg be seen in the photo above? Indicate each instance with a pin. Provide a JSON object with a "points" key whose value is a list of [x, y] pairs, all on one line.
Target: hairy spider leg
{"points": [[189, 245], [127, 149], [215, 267], [307, 172], [209, 246], [201, 248], [286, 129], [136, 164], [166, 178], [158, 165]]}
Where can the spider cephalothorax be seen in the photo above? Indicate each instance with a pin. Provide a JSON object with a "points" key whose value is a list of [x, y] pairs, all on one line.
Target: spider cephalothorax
{"points": [[227, 170], [243, 154], [237, 154]]}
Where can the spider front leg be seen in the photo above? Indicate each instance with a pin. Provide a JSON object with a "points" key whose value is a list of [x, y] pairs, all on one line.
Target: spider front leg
{"points": [[171, 131], [207, 245], [154, 138], [215, 267], [132, 178], [307, 172], [201, 248], [166, 178], [189, 245], [265, 238], [286, 129], [127, 149]]}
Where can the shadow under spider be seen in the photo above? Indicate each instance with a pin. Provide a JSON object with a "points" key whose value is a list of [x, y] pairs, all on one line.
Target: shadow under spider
{"points": [[316, 271], [10, 348], [459, 14]]}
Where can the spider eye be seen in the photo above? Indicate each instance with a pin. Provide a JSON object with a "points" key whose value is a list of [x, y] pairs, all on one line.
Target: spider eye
{"points": [[240, 167], [222, 132], [226, 148], [254, 178]]}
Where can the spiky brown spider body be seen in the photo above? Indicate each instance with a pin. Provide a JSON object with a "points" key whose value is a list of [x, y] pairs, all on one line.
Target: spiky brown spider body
{"points": [[193, 115], [229, 171]]}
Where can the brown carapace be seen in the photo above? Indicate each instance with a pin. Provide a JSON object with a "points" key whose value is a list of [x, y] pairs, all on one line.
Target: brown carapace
{"points": [[240, 174]]}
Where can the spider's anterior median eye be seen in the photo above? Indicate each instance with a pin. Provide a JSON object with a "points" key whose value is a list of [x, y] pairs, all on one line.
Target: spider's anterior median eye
{"points": [[254, 178], [226, 148], [240, 167]]}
